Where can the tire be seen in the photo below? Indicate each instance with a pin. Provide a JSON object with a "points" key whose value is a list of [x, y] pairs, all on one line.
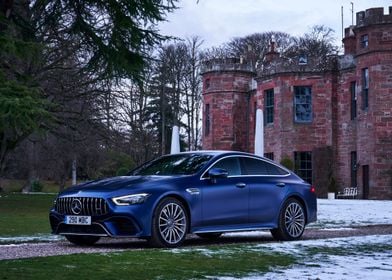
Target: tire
{"points": [[291, 224], [209, 235], [169, 225], [82, 240]]}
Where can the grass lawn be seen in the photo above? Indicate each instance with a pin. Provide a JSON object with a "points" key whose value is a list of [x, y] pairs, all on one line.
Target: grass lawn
{"points": [[23, 214], [303, 259], [147, 264]]}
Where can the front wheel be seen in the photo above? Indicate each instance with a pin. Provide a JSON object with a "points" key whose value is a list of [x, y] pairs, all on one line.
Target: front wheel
{"points": [[169, 225], [291, 221], [82, 240]]}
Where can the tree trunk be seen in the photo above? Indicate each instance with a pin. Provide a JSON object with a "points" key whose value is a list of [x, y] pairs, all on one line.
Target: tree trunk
{"points": [[31, 157]]}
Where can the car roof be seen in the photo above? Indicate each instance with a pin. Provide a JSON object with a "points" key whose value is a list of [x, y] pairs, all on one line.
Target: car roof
{"points": [[212, 152], [223, 153], [216, 153]]}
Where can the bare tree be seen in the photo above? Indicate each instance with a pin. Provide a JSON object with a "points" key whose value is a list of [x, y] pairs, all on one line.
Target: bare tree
{"points": [[192, 88], [318, 42], [253, 48]]}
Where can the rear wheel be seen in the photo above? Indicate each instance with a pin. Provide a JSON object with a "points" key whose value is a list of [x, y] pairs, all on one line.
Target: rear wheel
{"points": [[291, 221], [209, 235], [82, 240], [170, 224]]}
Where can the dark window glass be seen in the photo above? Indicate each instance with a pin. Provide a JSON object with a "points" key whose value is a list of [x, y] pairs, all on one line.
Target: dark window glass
{"points": [[354, 169], [269, 106], [302, 104], [353, 100], [365, 181], [275, 170], [173, 165], [303, 165], [269, 156], [365, 88], [207, 83], [207, 120], [303, 59], [230, 164], [364, 41], [254, 166]]}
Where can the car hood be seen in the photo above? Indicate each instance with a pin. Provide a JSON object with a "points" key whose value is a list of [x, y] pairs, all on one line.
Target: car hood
{"points": [[117, 184]]}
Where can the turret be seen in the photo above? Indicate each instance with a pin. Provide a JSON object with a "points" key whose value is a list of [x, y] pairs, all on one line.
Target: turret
{"points": [[227, 91]]}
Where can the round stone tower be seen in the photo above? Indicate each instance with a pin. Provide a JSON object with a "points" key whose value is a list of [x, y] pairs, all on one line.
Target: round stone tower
{"points": [[228, 93], [365, 135]]}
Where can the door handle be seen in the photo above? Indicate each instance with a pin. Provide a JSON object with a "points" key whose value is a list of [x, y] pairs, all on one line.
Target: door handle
{"points": [[240, 185], [280, 185]]}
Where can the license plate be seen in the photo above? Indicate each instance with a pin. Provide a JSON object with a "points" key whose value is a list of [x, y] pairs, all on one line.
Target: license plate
{"points": [[78, 220]]}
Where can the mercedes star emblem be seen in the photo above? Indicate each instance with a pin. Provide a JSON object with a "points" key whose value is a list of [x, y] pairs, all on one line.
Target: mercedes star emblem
{"points": [[76, 206]]}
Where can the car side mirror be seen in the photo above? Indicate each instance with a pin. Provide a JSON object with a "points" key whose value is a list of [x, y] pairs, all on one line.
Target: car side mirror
{"points": [[215, 173]]}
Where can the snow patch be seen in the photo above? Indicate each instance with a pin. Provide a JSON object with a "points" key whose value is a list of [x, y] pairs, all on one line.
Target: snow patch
{"points": [[353, 265], [337, 213]]}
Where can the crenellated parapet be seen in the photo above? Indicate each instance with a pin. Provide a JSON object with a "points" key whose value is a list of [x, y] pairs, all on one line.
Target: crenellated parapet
{"points": [[372, 32], [373, 16], [299, 64], [226, 65]]}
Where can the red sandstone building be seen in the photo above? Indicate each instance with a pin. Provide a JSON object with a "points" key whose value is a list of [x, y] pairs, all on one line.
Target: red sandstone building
{"points": [[332, 118]]}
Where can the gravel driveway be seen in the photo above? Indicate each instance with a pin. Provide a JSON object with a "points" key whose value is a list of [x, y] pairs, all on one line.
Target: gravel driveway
{"points": [[29, 250]]}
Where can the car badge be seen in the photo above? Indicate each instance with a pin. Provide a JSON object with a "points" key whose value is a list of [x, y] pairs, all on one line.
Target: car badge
{"points": [[76, 206]]}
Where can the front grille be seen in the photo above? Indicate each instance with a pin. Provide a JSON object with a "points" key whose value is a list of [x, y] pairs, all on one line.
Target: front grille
{"points": [[90, 206]]}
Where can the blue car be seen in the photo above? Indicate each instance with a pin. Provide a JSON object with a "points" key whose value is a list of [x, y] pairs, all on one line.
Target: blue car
{"points": [[205, 193]]}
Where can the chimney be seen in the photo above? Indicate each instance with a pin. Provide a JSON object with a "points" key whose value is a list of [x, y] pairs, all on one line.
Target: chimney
{"points": [[349, 41], [272, 53]]}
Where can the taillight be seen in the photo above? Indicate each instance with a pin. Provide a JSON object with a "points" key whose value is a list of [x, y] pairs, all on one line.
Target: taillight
{"points": [[312, 189]]}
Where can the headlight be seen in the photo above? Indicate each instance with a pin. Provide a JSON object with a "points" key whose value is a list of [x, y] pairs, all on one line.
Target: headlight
{"points": [[130, 199]]}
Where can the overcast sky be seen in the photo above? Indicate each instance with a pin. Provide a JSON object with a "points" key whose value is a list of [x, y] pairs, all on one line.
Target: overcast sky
{"points": [[217, 21]]}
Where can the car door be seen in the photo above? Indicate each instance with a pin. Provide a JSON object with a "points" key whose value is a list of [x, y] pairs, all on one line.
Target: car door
{"points": [[225, 200], [266, 189]]}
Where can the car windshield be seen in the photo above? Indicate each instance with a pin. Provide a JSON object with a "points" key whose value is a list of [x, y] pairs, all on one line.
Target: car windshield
{"points": [[180, 164]]}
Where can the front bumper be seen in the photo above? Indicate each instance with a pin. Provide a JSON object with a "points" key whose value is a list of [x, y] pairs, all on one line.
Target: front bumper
{"points": [[107, 218], [115, 225]]}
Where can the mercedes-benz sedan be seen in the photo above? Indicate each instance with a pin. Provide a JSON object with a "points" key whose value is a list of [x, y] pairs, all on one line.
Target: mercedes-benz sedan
{"points": [[205, 193]]}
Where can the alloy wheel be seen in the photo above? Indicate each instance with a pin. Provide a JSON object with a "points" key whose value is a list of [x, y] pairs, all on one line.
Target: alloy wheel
{"points": [[294, 219], [172, 223]]}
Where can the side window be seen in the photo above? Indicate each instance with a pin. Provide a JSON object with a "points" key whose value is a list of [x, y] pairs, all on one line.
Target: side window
{"points": [[230, 164], [365, 88], [364, 41], [276, 170], [207, 122], [269, 106], [254, 166], [303, 104]]}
